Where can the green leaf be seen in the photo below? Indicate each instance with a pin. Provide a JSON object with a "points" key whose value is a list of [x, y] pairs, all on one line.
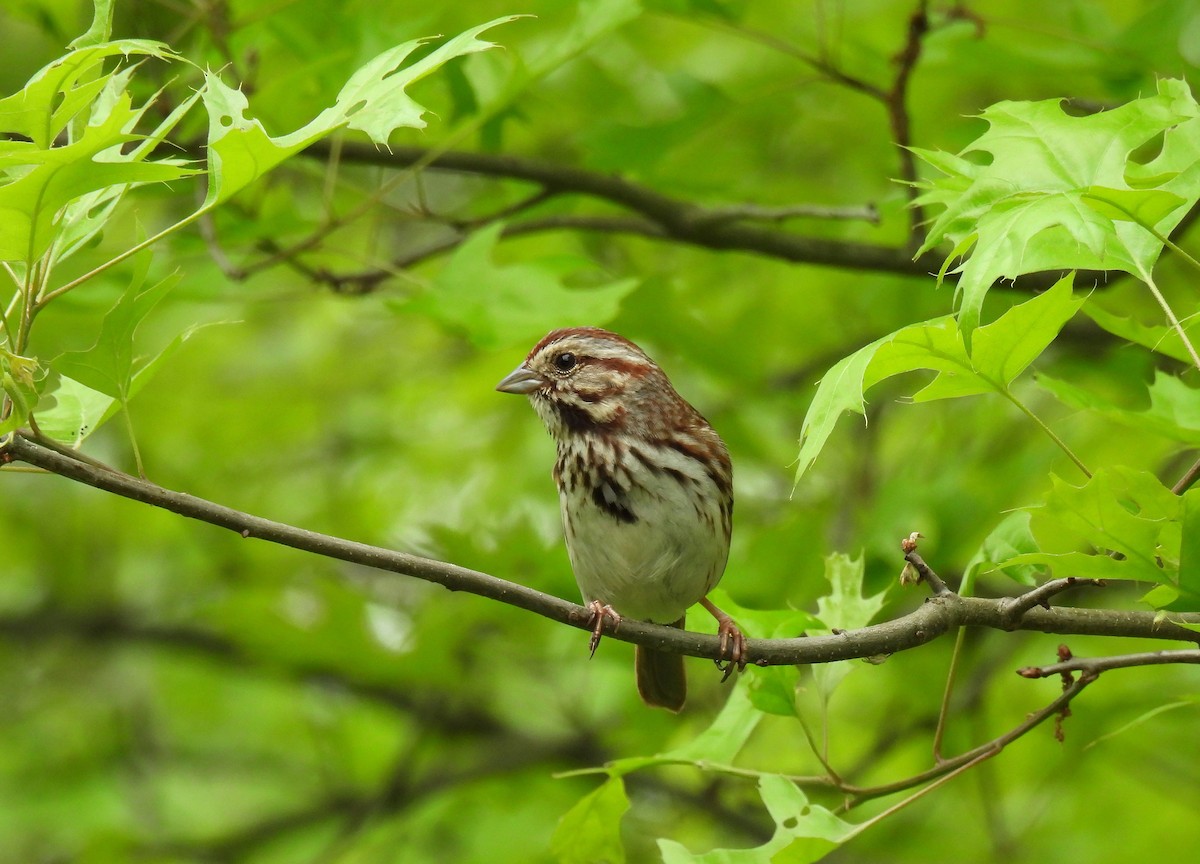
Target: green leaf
{"points": [[57, 93], [1157, 337], [804, 832], [759, 623], [108, 365], [30, 205], [840, 391], [1062, 192], [1146, 207], [372, 101], [773, 690], [498, 304], [1118, 510], [1010, 538], [1003, 349], [49, 189], [590, 832], [845, 607], [1080, 564], [71, 411], [1142, 719], [714, 749], [725, 737], [1189, 552], [19, 379], [1160, 596], [1174, 410], [101, 29]]}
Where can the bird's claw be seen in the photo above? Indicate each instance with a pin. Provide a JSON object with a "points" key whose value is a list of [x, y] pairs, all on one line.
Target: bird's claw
{"points": [[733, 648], [733, 642], [600, 613]]}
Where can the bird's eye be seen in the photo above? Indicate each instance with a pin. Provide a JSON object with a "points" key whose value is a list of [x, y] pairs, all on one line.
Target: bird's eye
{"points": [[565, 361]]}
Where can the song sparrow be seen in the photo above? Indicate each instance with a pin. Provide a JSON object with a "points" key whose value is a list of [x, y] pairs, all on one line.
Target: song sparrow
{"points": [[645, 489]]}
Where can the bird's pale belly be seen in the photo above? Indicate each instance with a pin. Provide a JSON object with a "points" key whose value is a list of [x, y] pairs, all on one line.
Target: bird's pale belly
{"points": [[651, 567]]}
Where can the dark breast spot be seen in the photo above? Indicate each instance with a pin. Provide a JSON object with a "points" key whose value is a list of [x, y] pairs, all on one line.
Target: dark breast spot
{"points": [[614, 502]]}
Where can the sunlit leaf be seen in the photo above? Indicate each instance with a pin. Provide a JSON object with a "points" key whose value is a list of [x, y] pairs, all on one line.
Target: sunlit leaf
{"points": [[804, 832], [1001, 351], [372, 101], [56, 94], [1061, 192], [1146, 207]]}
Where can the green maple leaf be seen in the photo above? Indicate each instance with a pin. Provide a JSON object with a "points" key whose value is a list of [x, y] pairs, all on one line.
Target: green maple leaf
{"points": [[1061, 192]]}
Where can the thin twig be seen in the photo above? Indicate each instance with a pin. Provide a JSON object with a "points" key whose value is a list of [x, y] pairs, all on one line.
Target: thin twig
{"points": [[990, 748], [1014, 608], [1095, 665], [663, 216], [1188, 479], [896, 102], [759, 213], [935, 583]]}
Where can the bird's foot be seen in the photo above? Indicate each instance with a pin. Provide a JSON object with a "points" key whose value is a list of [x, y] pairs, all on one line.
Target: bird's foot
{"points": [[733, 641], [601, 612]]}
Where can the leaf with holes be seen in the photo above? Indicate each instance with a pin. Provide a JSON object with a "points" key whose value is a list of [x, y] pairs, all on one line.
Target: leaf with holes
{"points": [[40, 179], [1061, 192], [372, 101], [804, 832], [1119, 510]]}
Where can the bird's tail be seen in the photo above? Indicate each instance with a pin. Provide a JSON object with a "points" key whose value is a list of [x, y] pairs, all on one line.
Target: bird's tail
{"points": [[661, 680]]}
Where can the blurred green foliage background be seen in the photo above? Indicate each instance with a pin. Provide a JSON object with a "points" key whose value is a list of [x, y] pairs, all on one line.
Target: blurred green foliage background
{"points": [[171, 692]]}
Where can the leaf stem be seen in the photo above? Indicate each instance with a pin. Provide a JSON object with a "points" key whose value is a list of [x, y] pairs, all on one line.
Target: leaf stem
{"points": [[1053, 435], [1149, 279], [117, 259], [1170, 313], [944, 712]]}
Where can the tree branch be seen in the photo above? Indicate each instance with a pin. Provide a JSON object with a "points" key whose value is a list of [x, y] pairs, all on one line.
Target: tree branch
{"points": [[983, 751], [1093, 666], [1015, 608], [673, 218], [938, 615], [896, 102], [117, 626]]}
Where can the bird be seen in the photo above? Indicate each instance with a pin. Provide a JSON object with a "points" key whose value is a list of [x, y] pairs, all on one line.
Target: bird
{"points": [[645, 488]]}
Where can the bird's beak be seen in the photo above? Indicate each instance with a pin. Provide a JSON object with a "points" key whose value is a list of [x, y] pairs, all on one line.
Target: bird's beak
{"points": [[521, 381]]}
